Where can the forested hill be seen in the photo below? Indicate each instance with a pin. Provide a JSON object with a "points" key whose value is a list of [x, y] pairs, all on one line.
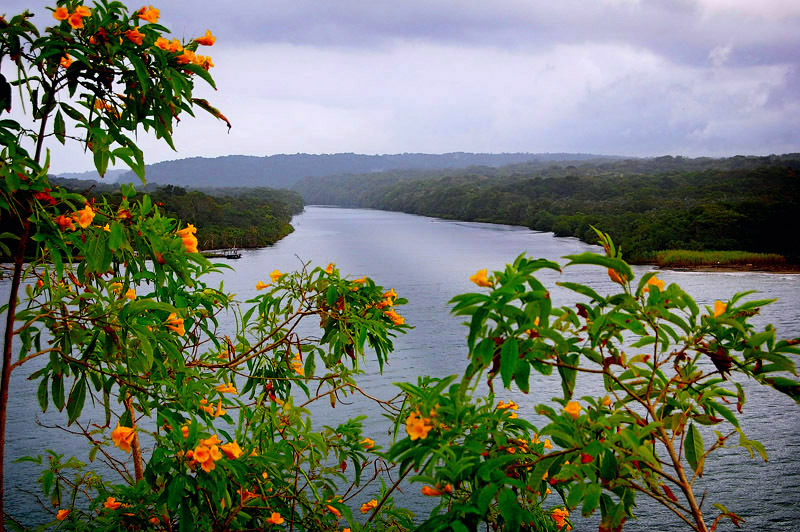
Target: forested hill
{"points": [[224, 217], [282, 171], [738, 203]]}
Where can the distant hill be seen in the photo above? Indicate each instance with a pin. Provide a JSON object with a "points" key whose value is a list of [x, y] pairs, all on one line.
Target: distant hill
{"points": [[282, 171]]}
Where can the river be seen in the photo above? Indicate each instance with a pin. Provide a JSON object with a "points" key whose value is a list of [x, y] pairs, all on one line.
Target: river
{"points": [[428, 261]]}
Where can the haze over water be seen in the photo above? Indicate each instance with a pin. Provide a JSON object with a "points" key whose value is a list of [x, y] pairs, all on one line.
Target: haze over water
{"points": [[428, 261]]}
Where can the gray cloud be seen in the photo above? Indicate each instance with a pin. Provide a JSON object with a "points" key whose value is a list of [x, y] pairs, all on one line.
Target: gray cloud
{"points": [[630, 77]]}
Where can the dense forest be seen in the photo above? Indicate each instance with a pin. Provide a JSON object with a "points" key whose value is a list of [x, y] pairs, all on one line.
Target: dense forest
{"points": [[738, 203], [224, 217]]}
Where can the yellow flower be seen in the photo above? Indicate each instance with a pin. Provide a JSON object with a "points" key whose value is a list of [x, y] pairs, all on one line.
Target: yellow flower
{"points": [[111, 503], [66, 61], [123, 437], [390, 295], [131, 294], [329, 268], [573, 408], [207, 39], [231, 450], [368, 443], [719, 308], [149, 14], [175, 323], [396, 318], [261, 286], [227, 388], [654, 281], [162, 43], [559, 516], [367, 506], [275, 519], [188, 238], [297, 365], [62, 514], [106, 228], [417, 427], [186, 57], [606, 401], [276, 275], [547, 444], [480, 278], [116, 287]]}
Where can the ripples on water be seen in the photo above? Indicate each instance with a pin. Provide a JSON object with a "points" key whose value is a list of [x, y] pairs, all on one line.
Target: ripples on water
{"points": [[429, 261]]}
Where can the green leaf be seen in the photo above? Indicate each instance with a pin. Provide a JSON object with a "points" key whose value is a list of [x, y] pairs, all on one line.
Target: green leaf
{"points": [[522, 373], [57, 388], [59, 128], [42, 394], [583, 290], [509, 355], [485, 497], [591, 499], [77, 397], [694, 449], [510, 510], [608, 466], [619, 265]]}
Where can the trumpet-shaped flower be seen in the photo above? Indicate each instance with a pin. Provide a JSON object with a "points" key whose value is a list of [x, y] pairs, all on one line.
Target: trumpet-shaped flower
{"points": [[573, 408], [560, 516], [480, 278], [207, 39], [396, 318], [231, 450], [329, 268], [276, 275], [418, 427], [175, 323], [66, 61], [261, 286], [654, 281], [131, 294], [617, 278], [123, 437], [135, 36], [188, 238], [84, 216], [227, 388], [62, 514], [367, 506], [111, 503], [275, 519], [719, 308], [65, 222], [368, 443], [431, 492], [149, 14], [297, 365], [61, 13]]}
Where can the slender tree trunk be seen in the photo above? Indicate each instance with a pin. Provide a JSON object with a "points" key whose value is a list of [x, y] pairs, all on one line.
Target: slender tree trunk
{"points": [[11, 312]]}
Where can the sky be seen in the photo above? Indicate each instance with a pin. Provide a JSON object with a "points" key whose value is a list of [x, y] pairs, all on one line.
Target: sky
{"points": [[616, 77]]}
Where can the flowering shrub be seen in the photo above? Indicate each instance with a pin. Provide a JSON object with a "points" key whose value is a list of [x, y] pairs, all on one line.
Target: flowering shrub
{"points": [[116, 306]]}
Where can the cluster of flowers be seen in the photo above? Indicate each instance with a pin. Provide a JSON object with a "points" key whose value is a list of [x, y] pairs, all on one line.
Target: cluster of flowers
{"points": [[418, 427], [82, 217], [75, 19], [297, 365], [117, 289], [188, 56]]}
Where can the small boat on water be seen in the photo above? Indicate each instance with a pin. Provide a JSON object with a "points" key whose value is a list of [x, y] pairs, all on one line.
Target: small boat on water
{"points": [[232, 253]]}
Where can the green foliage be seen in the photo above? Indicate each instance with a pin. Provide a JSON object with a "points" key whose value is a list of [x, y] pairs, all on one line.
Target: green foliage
{"points": [[116, 307]]}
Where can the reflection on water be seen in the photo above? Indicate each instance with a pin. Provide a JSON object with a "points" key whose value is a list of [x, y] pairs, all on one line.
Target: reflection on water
{"points": [[429, 261]]}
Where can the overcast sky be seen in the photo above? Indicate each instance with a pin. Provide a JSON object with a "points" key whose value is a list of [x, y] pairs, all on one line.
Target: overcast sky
{"points": [[621, 77]]}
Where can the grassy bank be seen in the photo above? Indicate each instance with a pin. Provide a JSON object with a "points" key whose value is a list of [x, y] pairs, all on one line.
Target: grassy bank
{"points": [[683, 258]]}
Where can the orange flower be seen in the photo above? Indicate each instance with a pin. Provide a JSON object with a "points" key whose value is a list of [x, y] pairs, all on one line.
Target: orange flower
{"points": [[111, 503], [573, 408], [606, 401], [417, 427], [203, 61], [123, 437], [62, 514], [207, 39], [162, 43], [368, 443], [61, 13], [654, 281], [83, 11], [175, 323], [396, 318], [480, 278], [227, 388], [64, 222], [431, 492], [261, 286], [186, 57], [333, 510], [185, 431], [275, 519], [719, 308], [329, 268], [131, 294], [75, 20], [614, 276], [206, 456], [276, 275], [390, 295], [297, 365], [135, 36], [188, 238], [367, 506], [66, 61], [84, 216], [231, 450], [149, 14], [560, 516]]}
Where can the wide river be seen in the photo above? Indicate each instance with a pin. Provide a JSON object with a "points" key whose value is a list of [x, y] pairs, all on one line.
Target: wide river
{"points": [[428, 261]]}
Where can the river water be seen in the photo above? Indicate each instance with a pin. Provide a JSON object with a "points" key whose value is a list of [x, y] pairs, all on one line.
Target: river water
{"points": [[428, 261]]}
